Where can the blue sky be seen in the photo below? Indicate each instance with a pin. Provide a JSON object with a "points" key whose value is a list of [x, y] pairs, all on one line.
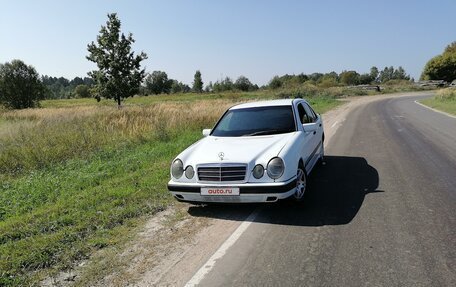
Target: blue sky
{"points": [[258, 39]]}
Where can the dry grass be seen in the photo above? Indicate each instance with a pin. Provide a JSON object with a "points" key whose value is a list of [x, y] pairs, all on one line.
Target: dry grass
{"points": [[444, 100], [448, 94], [36, 138]]}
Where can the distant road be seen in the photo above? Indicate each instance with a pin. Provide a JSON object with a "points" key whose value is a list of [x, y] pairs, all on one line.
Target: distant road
{"points": [[381, 212]]}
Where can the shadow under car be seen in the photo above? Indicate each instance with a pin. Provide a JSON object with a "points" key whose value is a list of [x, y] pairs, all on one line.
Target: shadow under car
{"points": [[334, 195]]}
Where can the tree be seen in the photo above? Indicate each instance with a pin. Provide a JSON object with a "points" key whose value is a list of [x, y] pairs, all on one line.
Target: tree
{"points": [[20, 85], [386, 74], [119, 73], [275, 83], [158, 83], [349, 77], [315, 76], [82, 91], [374, 74], [223, 85], [76, 82], [197, 83], [389, 73], [441, 67], [451, 48], [209, 88], [399, 74], [243, 84]]}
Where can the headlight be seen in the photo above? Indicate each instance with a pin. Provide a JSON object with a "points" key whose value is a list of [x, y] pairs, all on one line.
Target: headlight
{"points": [[177, 168], [258, 171], [275, 168], [189, 172]]}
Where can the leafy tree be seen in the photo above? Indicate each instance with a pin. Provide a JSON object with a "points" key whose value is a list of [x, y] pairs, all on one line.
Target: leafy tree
{"points": [[399, 74], [197, 83], [302, 78], [179, 87], [364, 79], [275, 83], [243, 84], [374, 74], [82, 91], [209, 88], [442, 67], [20, 85], [349, 77], [386, 74], [451, 48], [389, 73], [223, 85], [315, 76], [76, 82], [158, 83], [119, 73]]}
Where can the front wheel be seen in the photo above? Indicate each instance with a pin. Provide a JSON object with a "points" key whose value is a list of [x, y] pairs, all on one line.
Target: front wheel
{"points": [[301, 184]]}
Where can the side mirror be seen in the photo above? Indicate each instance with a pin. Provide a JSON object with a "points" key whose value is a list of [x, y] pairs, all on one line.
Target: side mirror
{"points": [[206, 132], [310, 127]]}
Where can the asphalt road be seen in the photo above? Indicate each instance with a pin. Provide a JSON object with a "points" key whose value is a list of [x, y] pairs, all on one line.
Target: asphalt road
{"points": [[381, 212]]}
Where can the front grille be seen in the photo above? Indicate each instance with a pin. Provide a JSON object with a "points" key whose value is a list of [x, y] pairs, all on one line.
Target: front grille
{"points": [[219, 173]]}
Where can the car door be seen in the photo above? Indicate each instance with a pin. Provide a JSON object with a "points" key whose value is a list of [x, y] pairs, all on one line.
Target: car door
{"points": [[318, 134], [316, 119], [310, 138]]}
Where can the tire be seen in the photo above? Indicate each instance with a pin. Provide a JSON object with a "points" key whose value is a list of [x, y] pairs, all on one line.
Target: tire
{"points": [[301, 184]]}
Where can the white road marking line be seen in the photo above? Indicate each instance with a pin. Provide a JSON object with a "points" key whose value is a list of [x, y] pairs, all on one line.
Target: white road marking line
{"points": [[207, 267], [443, 113], [334, 124]]}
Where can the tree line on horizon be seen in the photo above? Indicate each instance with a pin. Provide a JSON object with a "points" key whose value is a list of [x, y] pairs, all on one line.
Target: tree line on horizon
{"points": [[119, 75]]}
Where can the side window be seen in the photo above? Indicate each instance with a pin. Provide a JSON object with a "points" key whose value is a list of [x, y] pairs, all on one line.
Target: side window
{"points": [[303, 115], [311, 113]]}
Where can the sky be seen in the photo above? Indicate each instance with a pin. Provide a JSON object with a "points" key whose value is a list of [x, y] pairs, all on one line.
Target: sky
{"points": [[257, 39]]}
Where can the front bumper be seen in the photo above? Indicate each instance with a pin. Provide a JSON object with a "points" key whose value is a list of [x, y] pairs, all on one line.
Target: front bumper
{"points": [[249, 192]]}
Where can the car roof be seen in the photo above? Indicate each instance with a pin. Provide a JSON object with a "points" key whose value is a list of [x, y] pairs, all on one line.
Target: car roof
{"points": [[282, 102]]}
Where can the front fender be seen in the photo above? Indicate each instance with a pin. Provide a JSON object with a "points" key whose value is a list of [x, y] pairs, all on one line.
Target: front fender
{"points": [[292, 154]]}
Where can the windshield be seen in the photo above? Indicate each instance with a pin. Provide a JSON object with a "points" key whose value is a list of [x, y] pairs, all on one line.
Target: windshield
{"points": [[256, 121]]}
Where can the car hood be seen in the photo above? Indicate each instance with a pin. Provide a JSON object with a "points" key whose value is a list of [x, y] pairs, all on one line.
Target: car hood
{"points": [[252, 149]]}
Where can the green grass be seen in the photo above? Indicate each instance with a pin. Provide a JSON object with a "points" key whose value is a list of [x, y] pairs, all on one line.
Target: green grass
{"points": [[445, 100], [55, 216], [153, 99]]}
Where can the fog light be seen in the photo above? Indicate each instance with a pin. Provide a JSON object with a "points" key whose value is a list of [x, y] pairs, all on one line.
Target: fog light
{"points": [[258, 171], [189, 172]]}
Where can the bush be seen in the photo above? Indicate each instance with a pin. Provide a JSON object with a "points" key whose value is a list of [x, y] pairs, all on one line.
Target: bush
{"points": [[82, 91]]}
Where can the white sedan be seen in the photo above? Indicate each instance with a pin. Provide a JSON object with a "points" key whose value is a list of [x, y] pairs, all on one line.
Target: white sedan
{"points": [[257, 152]]}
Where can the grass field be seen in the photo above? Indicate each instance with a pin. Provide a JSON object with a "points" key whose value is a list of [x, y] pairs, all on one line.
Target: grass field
{"points": [[75, 174], [444, 100]]}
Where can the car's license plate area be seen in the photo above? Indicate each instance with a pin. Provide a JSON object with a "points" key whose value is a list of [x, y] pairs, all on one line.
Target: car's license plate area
{"points": [[220, 191]]}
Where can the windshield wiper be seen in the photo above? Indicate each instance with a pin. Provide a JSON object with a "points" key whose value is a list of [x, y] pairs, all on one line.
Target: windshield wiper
{"points": [[266, 132]]}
